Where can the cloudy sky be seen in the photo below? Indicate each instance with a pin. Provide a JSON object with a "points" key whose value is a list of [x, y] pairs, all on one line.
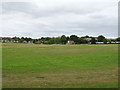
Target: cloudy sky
{"points": [[42, 18]]}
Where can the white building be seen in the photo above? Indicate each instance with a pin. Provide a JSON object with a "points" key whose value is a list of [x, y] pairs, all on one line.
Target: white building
{"points": [[69, 42]]}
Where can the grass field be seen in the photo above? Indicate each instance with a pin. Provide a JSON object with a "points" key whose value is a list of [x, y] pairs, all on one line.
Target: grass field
{"points": [[60, 66]]}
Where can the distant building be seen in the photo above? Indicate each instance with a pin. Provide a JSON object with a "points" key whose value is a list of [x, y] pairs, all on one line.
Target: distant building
{"points": [[115, 42], [30, 42], [37, 42], [99, 42], [6, 39], [88, 39], [24, 41], [70, 42]]}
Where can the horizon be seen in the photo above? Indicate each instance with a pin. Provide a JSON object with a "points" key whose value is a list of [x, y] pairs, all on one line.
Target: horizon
{"points": [[60, 36]]}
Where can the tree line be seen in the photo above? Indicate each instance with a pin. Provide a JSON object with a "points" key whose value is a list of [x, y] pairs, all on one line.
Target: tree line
{"points": [[64, 39]]}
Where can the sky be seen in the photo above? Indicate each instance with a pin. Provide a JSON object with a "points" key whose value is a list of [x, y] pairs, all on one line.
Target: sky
{"points": [[51, 18]]}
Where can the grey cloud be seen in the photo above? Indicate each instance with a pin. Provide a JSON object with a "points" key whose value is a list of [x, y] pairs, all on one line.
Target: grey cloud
{"points": [[55, 8], [16, 6], [48, 19]]}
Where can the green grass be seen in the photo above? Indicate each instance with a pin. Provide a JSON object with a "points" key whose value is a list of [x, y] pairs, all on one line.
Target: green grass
{"points": [[60, 66]]}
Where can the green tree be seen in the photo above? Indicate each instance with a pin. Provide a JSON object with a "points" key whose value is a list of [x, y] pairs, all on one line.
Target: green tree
{"points": [[93, 41], [63, 39], [105, 41], [118, 39], [52, 41], [86, 36], [16, 38], [74, 38], [101, 38], [82, 41], [67, 38], [109, 41]]}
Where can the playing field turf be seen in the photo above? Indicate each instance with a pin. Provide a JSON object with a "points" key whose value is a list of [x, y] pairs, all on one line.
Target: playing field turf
{"points": [[60, 66]]}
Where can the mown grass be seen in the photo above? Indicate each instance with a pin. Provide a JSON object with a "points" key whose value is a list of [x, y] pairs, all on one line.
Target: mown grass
{"points": [[61, 66]]}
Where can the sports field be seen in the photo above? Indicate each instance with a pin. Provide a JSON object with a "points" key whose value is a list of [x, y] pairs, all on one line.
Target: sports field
{"points": [[60, 66]]}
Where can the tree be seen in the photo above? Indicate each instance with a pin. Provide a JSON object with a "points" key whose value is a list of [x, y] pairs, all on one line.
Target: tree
{"points": [[82, 41], [45, 40], [74, 38], [118, 39], [109, 41], [27, 39], [86, 36], [67, 38], [93, 41], [34, 40], [16, 38], [63, 39], [52, 41], [101, 38], [105, 41]]}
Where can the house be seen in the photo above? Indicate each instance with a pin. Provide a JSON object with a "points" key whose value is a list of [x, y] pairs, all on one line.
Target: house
{"points": [[99, 42], [30, 42], [24, 41], [70, 42], [6, 39], [88, 39], [37, 42], [113, 42]]}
